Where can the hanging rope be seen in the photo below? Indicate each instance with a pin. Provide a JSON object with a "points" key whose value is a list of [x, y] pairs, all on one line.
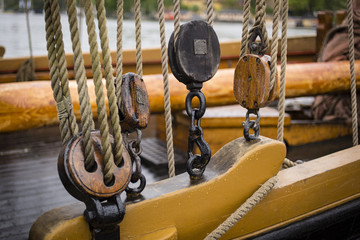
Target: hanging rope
{"points": [[63, 104], [260, 22], [119, 56], [109, 76], [210, 12], [87, 123], [246, 19], [60, 54], [139, 69], [100, 101], [274, 43], [167, 105], [243, 209], [176, 20], [352, 72], [26, 72]]}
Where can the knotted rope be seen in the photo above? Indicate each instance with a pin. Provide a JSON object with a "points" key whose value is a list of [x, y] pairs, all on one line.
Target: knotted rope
{"points": [[87, 123], [67, 129], [354, 115], [243, 209], [167, 104]]}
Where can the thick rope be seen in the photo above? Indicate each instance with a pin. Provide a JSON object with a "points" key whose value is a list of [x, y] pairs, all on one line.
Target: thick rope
{"points": [[176, 20], [100, 101], [119, 52], [139, 68], [62, 65], [210, 12], [352, 72], [245, 29], [109, 76], [167, 105], [243, 209], [87, 123], [28, 29], [274, 43], [54, 72]]}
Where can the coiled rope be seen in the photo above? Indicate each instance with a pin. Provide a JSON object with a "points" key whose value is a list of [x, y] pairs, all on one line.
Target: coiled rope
{"points": [[354, 114]]}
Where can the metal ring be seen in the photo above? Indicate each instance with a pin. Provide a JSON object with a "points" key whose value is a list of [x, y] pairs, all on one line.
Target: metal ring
{"points": [[254, 126], [193, 171], [188, 107], [139, 189]]}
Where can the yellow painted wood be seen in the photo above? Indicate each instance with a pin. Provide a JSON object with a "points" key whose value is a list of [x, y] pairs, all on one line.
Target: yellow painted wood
{"points": [[196, 209], [301, 191], [34, 105], [222, 124]]}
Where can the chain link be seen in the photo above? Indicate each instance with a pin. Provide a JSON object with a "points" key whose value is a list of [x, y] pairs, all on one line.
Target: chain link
{"points": [[196, 163], [134, 148], [254, 125]]}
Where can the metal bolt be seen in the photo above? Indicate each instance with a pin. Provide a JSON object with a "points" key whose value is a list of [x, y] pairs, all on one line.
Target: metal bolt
{"points": [[255, 104], [245, 59], [249, 78], [258, 60], [243, 103]]}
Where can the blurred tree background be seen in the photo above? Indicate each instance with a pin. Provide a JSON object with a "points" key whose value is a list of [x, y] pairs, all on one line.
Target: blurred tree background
{"points": [[149, 7]]}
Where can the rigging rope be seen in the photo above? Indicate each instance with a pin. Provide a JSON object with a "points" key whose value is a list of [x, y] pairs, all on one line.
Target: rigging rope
{"points": [[274, 43], [352, 72], [109, 76], [139, 69], [167, 105], [210, 12], [100, 101], [260, 22], [119, 56], [245, 30], [87, 123], [176, 20], [243, 209]]}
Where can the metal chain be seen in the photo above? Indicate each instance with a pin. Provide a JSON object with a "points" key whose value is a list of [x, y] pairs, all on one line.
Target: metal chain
{"points": [[251, 124], [134, 148], [196, 163]]}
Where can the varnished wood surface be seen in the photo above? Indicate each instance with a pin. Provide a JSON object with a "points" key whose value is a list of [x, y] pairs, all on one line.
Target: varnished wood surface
{"points": [[31, 104]]}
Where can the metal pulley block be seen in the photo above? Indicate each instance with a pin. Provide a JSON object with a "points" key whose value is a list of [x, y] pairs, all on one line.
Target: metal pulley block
{"points": [[134, 109], [252, 81], [195, 56], [81, 183]]}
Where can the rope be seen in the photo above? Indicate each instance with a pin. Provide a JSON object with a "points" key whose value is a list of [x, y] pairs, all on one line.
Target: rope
{"points": [[26, 72], [167, 105], [119, 62], [139, 69], [60, 54], [352, 72], [246, 19], [176, 20], [274, 43], [100, 101], [243, 209], [109, 76], [210, 12], [54, 72], [87, 124]]}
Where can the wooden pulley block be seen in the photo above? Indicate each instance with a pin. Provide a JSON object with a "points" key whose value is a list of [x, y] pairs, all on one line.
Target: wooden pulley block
{"points": [[196, 55], [135, 108], [81, 183], [252, 81]]}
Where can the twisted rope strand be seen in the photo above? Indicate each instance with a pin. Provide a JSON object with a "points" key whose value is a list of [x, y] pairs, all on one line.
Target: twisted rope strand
{"points": [[55, 13], [54, 72], [167, 105], [354, 115], [100, 101], [119, 56], [243, 209], [245, 29], [139, 68], [210, 12], [274, 43], [176, 20], [85, 109], [109, 76], [260, 21]]}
